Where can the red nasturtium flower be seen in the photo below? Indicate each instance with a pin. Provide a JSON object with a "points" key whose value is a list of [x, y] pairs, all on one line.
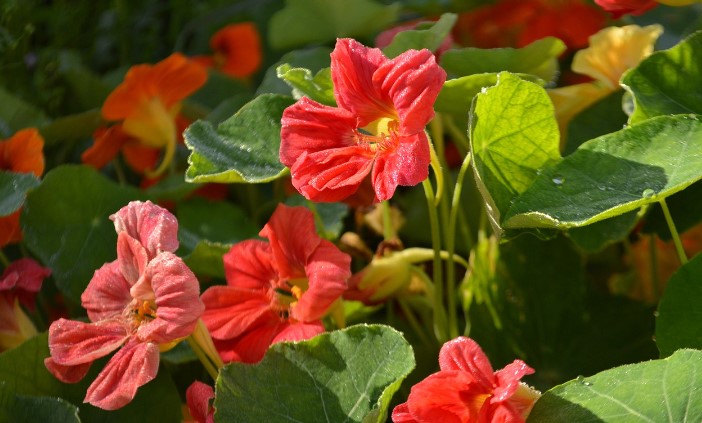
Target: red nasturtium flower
{"points": [[467, 390], [146, 106], [21, 153], [144, 301], [277, 290], [377, 130], [19, 284], [237, 50]]}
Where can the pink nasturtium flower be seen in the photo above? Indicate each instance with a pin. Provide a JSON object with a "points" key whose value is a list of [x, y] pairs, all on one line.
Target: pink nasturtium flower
{"points": [[198, 397], [144, 301], [377, 130], [277, 290], [467, 390], [19, 284]]}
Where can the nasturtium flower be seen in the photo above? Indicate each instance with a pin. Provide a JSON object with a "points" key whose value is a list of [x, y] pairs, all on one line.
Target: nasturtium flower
{"points": [[237, 50], [146, 106], [19, 284], [277, 290], [21, 153], [376, 131], [466, 389], [198, 397], [144, 301]]}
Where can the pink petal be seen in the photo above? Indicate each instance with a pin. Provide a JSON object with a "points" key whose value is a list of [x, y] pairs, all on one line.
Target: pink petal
{"points": [[25, 276], [72, 342], [413, 81], [292, 236], [67, 374], [352, 68], [331, 176], [508, 379], [447, 397], [178, 304], [133, 366], [249, 265], [500, 413], [407, 165], [465, 355], [328, 270], [299, 331], [198, 396], [107, 294], [401, 414], [155, 227], [131, 256], [231, 311]]}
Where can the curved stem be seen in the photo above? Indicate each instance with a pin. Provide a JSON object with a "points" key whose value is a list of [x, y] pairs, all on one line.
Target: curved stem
{"points": [[673, 231], [438, 305]]}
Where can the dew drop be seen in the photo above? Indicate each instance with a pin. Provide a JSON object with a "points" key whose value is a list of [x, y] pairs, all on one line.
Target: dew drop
{"points": [[648, 193], [601, 187], [558, 180]]}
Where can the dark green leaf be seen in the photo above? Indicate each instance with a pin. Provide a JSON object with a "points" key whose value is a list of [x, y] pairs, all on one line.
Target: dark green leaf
{"points": [[24, 409], [429, 38], [593, 238], [679, 321], [604, 117], [66, 224], [244, 148], [319, 21], [329, 217], [72, 127], [17, 114], [13, 190], [654, 391], [206, 258], [215, 221], [667, 82], [348, 375]]}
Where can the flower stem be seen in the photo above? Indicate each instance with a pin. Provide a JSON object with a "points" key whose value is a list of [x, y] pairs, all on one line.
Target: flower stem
{"points": [[201, 343], [438, 305], [203, 358], [673, 231], [388, 229]]}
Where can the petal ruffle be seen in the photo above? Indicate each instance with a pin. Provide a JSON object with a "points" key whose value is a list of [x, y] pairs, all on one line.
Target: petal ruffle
{"points": [[331, 176], [155, 227], [107, 294], [465, 355], [133, 366], [407, 165], [249, 265], [230, 311], [72, 342], [508, 380]]}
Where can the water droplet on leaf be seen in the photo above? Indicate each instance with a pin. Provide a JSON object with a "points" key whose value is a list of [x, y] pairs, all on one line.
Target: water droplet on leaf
{"points": [[648, 193], [558, 180]]}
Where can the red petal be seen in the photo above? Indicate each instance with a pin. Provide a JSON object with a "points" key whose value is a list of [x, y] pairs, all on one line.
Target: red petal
{"points": [[133, 366], [155, 227], [299, 332], [352, 68], [407, 165], [72, 342], [107, 294], [293, 238], [413, 81], [106, 144], [447, 397], [401, 414], [252, 346], [24, 276], [178, 304], [249, 265], [508, 379], [231, 311], [465, 355], [67, 374], [23, 152], [198, 396], [331, 176]]}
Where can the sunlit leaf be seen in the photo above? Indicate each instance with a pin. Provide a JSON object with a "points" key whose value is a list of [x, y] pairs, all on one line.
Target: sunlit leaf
{"points": [[318, 87], [314, 59]]}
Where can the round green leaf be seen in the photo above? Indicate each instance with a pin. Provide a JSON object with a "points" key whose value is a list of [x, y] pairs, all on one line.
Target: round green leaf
{"points": [[13, 189], [244, 148], [656, 391], [341, 376]]}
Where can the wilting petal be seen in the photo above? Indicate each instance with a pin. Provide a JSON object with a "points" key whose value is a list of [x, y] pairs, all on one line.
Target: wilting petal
{"points": [[352, 69], [177, 296], [447, 396], [413, 81], [292, 237], [249, 265], [107, 294], [132, 257], [198, 396], [72, 342], [328, 270], [23, 152], [407, 165], [508, 379], [230, 311], [465, 355], [155, 227], [67, 374], [134, 365]]}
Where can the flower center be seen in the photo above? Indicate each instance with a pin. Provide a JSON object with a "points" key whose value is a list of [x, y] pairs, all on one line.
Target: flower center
{"points": [[288, 294], [378, 136], [140, 312]]}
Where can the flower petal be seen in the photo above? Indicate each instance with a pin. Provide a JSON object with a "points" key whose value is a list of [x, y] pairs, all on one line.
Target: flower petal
{"points": [[155, 227], [413, 81], [331, 176], [132, 257], [72, 342], [67, 374], [240, 45], [25, 277], [133, 366], [465, 355], [231, 311], [106, 144], [407, 165], [401, 414], [198, 396], [446, 396], [299, 331], [508, 379], [252, 345], [177, 296], [23, 152], [107, 294], [10, 231], [249, 265]]}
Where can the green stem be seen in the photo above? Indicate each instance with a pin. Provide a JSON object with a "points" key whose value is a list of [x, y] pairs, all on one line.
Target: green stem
{"points": [[388, 229], [3, 259], [203, 358], [459, 137], [438, 305], [673, 231], [119, 171]]}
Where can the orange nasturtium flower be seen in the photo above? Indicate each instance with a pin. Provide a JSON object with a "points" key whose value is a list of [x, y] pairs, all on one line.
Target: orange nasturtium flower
{"points": [[146, 106], [237, 50], [21, 153]]}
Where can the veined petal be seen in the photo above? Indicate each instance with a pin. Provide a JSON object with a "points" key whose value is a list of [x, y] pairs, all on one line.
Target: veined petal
{"points": [[177, 296], [107, 294], [413, 81], [292, 237], [67, 374], [23, 152], [508, 379], [249, 264], [406, 165], [72, 342], [155, 227], [231, 311], [352, 68], [133, 366], [332, 175], [309, 127], [465, 355], [131, 256], [328, 270]]}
